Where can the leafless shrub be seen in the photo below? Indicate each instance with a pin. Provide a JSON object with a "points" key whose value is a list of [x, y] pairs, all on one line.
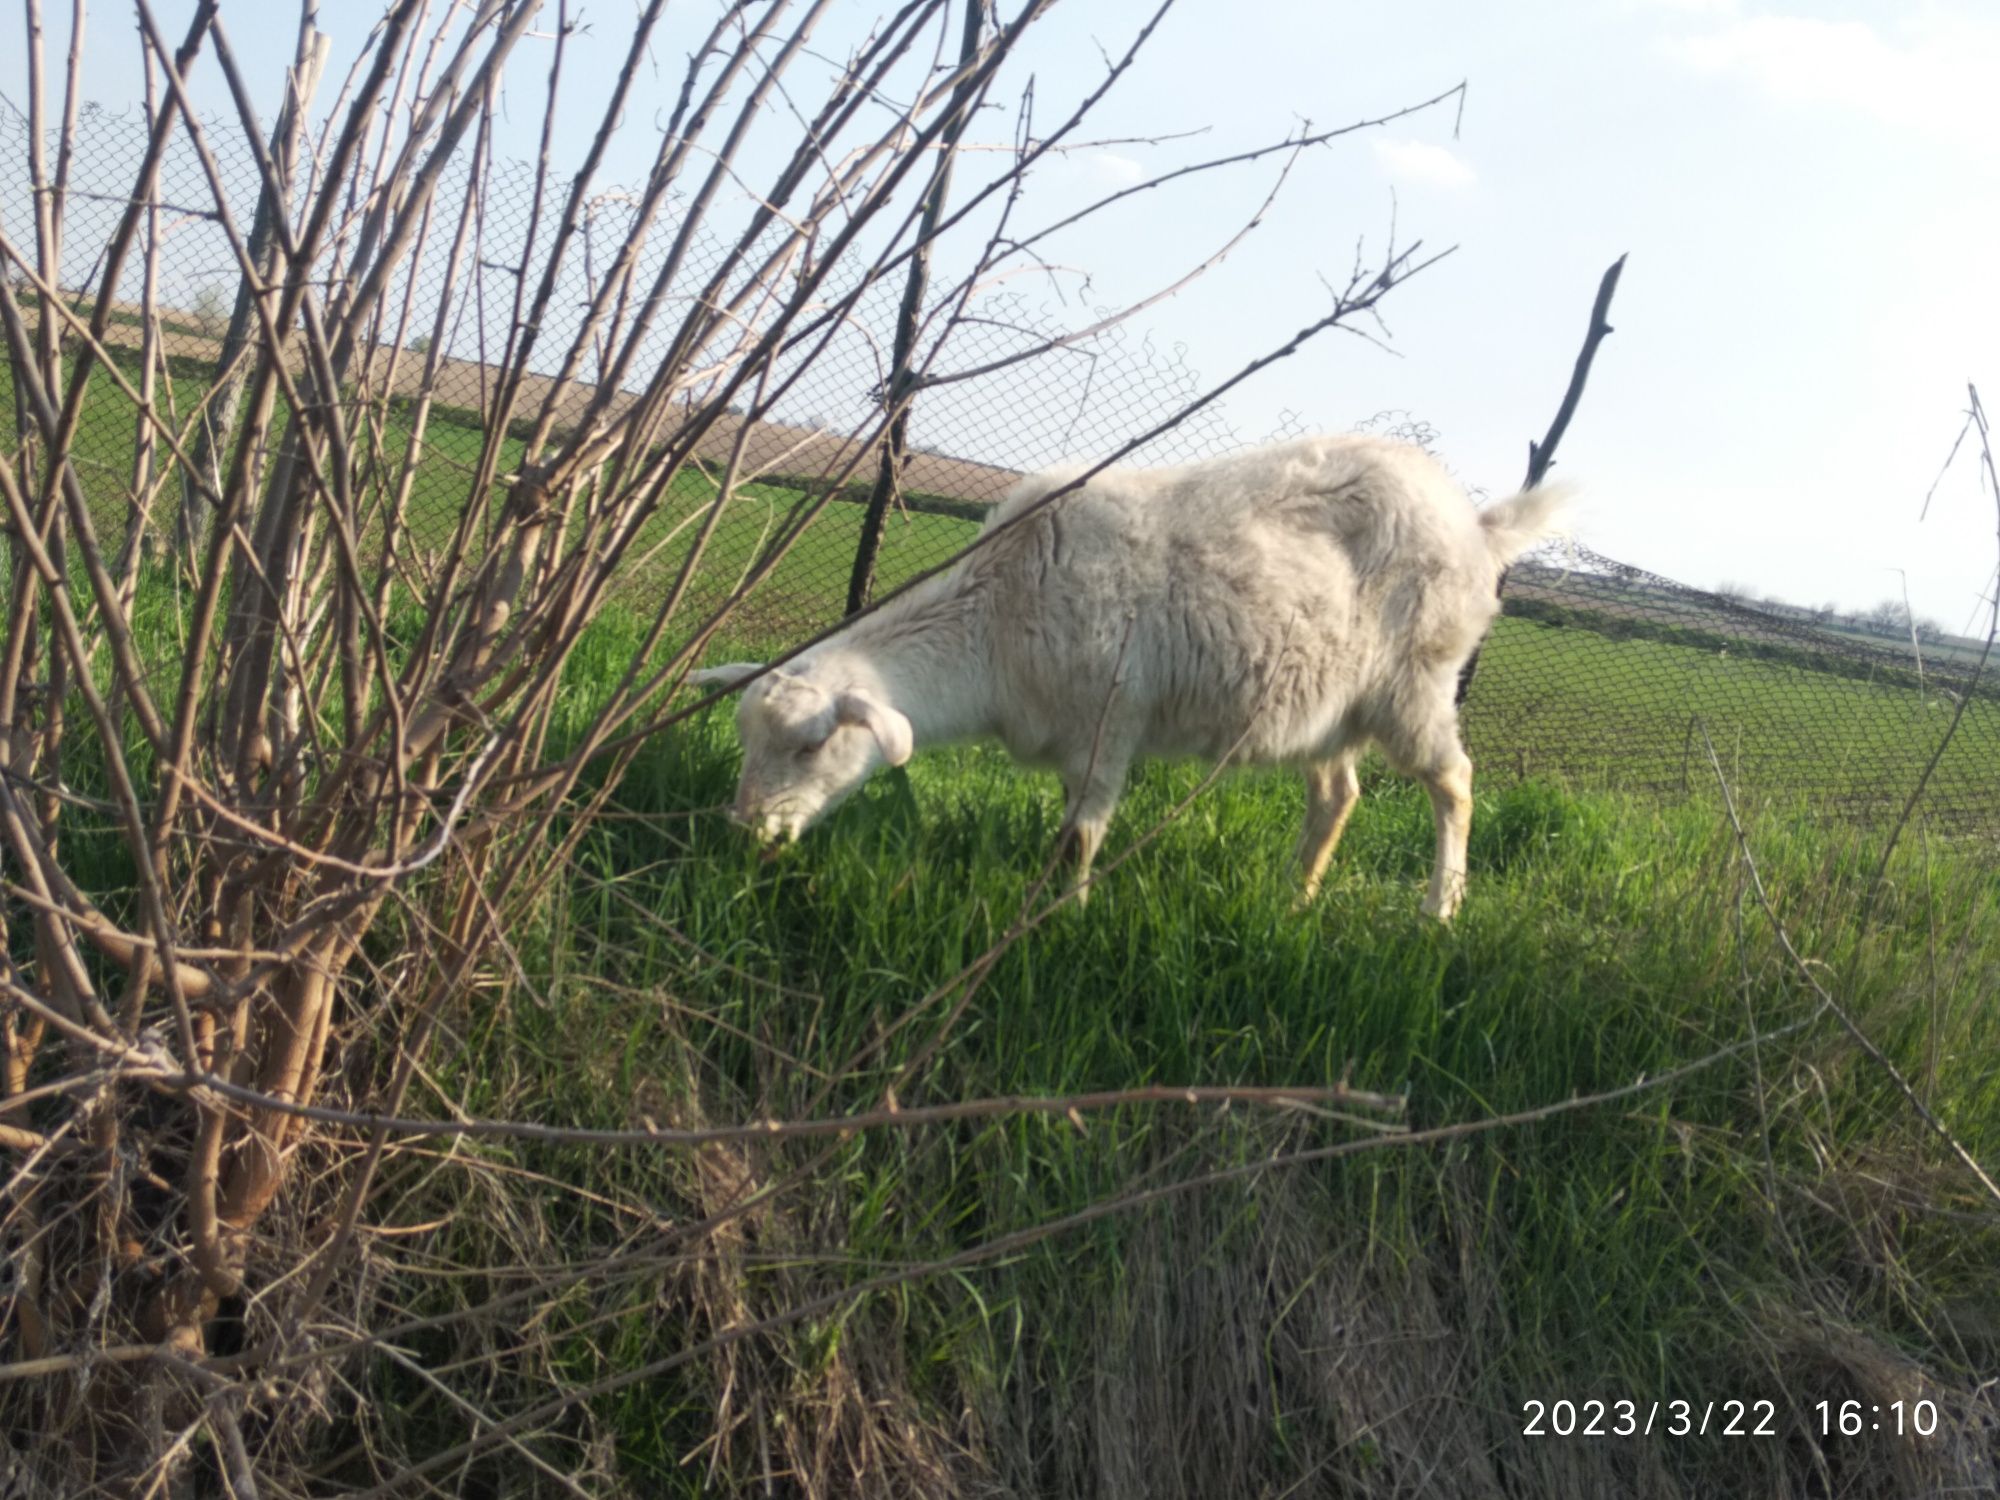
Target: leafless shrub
{"points": [[207, 1037]]}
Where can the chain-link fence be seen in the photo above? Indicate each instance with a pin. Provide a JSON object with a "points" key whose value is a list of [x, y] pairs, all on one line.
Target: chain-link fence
{"points": [[1610, 675], [1598, 672]]}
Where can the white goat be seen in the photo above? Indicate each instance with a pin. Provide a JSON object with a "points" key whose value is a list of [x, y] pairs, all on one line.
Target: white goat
{"points": [[1290, 604]]}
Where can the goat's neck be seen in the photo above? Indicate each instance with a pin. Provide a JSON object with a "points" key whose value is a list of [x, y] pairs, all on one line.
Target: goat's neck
{"points": [[924, 656]]}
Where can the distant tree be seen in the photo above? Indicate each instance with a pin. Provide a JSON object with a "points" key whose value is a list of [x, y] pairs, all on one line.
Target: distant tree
{"points": [[211, 310], [421, 344], [1890, 617]]}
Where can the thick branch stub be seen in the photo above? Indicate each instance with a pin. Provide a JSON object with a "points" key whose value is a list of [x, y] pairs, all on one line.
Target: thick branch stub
{"points": [[1542, 455]]}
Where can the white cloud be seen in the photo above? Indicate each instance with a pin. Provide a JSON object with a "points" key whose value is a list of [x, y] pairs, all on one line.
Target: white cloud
{"points": [[1115, 170], [1934, 76], [1422, 162]]}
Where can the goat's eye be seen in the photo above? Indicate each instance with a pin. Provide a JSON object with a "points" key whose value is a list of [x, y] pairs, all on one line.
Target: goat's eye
{"points": [[806, 752]]}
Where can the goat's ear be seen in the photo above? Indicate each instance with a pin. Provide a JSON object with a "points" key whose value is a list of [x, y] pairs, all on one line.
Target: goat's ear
{"points": [[724, 676], [890, 728]]}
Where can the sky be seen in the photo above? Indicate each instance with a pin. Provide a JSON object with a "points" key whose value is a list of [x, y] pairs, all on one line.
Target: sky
{"points": [[1808, 193]]}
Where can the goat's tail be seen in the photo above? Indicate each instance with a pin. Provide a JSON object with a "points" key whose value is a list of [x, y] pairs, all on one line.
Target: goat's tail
{"points": [[1514, 525]]}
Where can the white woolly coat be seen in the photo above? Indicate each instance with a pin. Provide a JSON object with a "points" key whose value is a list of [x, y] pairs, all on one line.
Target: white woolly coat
{"points": [[1303, 598]]}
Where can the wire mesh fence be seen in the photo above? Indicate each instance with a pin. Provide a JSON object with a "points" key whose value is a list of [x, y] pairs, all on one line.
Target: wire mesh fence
{"points": [[1597, 672], [1607, 674]]}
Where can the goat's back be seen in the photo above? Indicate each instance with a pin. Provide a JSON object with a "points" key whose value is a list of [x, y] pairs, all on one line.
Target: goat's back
{"points": [[1300, 593]]}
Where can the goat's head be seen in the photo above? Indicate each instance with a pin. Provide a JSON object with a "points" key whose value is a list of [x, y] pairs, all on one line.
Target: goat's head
{"points": [[805, 748]]}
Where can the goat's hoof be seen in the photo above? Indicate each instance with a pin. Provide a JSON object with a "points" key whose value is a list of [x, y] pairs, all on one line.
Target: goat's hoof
{"points": [[1441, 909], [1446, 890]]}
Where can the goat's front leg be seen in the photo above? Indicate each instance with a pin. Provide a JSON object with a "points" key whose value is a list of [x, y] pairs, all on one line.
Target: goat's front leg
{"points": [[1092, 798], [1451, 806]]}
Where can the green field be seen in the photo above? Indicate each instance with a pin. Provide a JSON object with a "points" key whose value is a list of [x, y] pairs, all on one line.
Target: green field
{"points": [[808, 589], [1774, 1225], [1627, 713]]}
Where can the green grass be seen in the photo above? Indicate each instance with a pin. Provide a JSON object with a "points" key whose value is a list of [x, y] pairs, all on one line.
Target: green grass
{"points": [[105, 435], [1353, 1320]]}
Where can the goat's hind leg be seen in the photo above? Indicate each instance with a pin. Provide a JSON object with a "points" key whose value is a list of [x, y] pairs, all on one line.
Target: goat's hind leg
{"points": [[1450, 786], [1332, 789], [1425, 747]]}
